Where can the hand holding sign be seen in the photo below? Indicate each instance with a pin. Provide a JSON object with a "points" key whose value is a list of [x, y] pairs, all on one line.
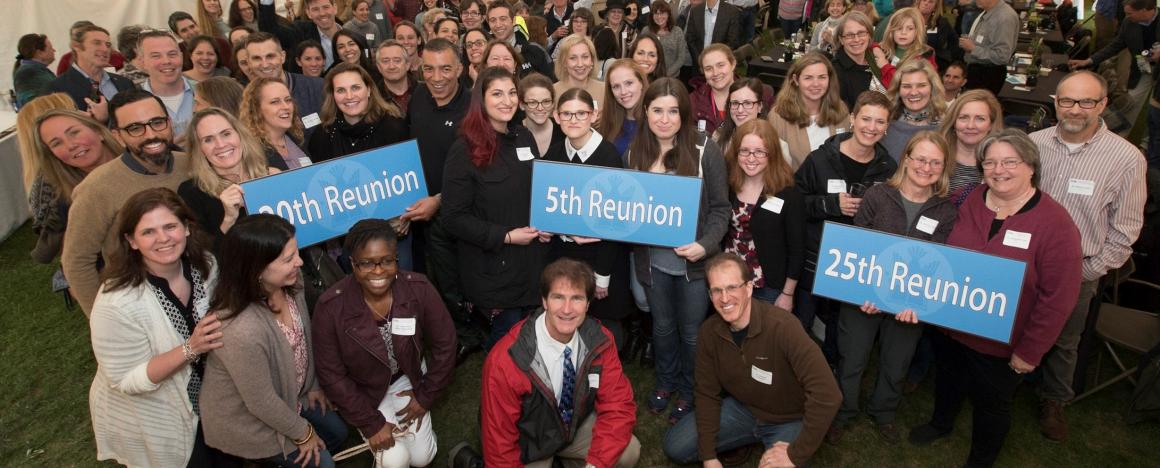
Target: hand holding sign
{"points": [[692, 251], [522, 236], [232, 201]]}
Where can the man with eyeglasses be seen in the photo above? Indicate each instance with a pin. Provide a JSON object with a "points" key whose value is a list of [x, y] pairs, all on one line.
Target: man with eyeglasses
{"points": [[140, 123], [1099, 178], [760, 379], [434, 113], [990, 44]]}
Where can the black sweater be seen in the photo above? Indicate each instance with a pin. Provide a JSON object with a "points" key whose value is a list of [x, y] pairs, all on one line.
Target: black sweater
{"points": [[779, 238], [480, 206], [341, 138]]}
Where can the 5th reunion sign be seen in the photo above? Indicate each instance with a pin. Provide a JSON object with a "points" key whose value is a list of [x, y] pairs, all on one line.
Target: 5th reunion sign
{"points": [[324, 200], [946, 286]]}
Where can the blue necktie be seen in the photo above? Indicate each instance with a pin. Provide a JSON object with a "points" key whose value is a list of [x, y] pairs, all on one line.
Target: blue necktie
{"points": [[566, 391]]}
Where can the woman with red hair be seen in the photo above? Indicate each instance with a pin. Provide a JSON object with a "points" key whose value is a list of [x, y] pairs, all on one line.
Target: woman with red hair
{"points": [[486, 187]]}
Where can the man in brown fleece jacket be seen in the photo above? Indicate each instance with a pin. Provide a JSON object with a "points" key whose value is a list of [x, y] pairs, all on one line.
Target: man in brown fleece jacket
{"points": [[759, 378]]}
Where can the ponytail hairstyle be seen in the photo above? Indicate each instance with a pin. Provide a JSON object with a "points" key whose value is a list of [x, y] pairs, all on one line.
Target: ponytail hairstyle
{"points": [[27, 47]]}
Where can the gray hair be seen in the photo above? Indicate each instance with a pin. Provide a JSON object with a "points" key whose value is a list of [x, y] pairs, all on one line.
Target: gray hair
{"points": [[1026, 149]]}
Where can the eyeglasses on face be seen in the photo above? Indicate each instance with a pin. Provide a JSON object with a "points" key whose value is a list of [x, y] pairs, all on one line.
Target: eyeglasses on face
{"points": [[747, 105], [855, 35], [138, 128], [990, 164], [582, 115], [746, 153], [367, 266], [544, 104], [932, 163], [728, 289], [1068, 103]]}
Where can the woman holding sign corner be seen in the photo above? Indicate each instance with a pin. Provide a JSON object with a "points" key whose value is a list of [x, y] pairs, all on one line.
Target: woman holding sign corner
{"points": [[487, 184], [1009, 217], [674, 279], [912, 203], [833, 179]]}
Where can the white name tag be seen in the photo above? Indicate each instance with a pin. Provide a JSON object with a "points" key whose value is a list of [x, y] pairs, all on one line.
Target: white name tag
{"points": [[304, 161], [403, 326], [593, 380], [926, 225], [1021, 240], [835, 186], [525, 154], [773, 204], [644, 10], [309, 121], [370, 37], [979, 39], [1081, 187], [763, 376], [379, 16]]}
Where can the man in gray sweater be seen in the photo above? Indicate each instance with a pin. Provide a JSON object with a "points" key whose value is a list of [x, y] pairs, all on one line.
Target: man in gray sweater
{"points": [[990, 44]]}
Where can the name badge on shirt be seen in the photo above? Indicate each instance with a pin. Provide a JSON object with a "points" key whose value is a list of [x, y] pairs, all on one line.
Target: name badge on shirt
{"points": [[644, 10], [979, 39], [926, 225], [403, 326], [309, 121], [593, 380], [1081, 187], [1017, 239], [773, 204], [370, 37], [525, 154], [763, 376], [304, 161], [835, 186], [379, 16]]}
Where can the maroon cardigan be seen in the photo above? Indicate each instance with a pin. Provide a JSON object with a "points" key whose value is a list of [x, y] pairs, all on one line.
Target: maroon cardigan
{"points": [[351, 358], [1051, 280]]}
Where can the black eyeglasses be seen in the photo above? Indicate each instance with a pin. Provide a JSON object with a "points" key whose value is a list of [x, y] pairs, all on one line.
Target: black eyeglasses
{"points": [[1068, 103], [137, 129], [747, 105], [544, 104], [367, 266]]}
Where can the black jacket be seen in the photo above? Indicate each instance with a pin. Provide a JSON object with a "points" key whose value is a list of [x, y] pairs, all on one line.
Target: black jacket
{"points": [[73, 83], [340, 138], [854, 78], [435, 129], [945, 41], [812, 180], [779, 238], [535, 58], [727, 30], [289, 34], [1136, 38], [882, 210], [480, 206]]}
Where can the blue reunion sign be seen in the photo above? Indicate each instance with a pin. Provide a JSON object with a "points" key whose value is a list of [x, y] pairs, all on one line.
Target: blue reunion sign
{"points": [[946, 286], [615, 204], [324, 200]]}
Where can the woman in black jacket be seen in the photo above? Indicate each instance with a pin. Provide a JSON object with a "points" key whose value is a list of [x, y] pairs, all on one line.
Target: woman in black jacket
{"points": [[832, 180], [486, 187], [912, 203], [609, 260], [940, 34], [355, 117], [855, 62], [767, 228]]}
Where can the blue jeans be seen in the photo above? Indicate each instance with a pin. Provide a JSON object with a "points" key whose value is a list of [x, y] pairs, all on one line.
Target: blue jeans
{"points": [[748, 19], [503, 321], [329, 427], [789, 27], [678, 307], [738, 428], [1153, 137], [405, 255], [766, 294]]}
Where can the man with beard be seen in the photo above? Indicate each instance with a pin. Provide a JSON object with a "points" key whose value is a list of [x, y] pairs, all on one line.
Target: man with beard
{"points": [[1099, 178], [321, 27], [140, 123]]}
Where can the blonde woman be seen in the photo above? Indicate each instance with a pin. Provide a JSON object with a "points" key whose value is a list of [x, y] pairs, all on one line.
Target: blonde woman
{"points": [[66, 146], [975, 115], [905, 39], [809, 108], [267, 111], [917, 99], [576, 68], [212, 19], [223, 154]]}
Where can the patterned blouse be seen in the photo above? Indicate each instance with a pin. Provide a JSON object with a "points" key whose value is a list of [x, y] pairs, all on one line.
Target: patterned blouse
{"points": [[741, 240], [296, 335]]}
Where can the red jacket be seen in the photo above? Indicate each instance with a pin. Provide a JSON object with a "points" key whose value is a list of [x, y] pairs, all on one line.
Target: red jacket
{"points": [[350, 356], [520, 421], [888, 70]]}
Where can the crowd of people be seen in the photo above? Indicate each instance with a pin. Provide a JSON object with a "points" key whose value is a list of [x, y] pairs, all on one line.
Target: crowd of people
{"points": [[219, 339]]}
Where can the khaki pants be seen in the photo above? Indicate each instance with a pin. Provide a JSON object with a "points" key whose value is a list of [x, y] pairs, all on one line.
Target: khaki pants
{"points": [[575, 453]]}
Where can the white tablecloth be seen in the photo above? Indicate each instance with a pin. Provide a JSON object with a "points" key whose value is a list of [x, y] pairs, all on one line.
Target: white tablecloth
{"points": [[13, 197]]}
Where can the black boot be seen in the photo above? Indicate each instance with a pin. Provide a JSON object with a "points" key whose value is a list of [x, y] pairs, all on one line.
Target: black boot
{"points": [[632, 340], [647, 358]]}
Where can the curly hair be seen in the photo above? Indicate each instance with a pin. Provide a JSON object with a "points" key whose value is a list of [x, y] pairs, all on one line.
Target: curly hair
{"points": [[250, 111]]}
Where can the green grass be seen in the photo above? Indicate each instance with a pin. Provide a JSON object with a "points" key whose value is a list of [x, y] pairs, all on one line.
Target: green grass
{"points": [[46, 367]]}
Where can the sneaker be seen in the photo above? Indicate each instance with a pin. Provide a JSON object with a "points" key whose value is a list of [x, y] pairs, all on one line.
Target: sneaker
{"points": [[1051, 421], [683, 408], [464, 455], [926, 434], [659, 401], [834, 435], [889, 433]]}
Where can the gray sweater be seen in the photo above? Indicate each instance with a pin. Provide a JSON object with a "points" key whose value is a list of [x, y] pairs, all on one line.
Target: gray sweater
{"points": [[250, 394], [675, 50], [995, 34]]}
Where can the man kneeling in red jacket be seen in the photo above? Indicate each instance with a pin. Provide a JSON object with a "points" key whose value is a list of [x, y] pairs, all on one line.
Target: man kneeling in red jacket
{"points": [[554, 387]]}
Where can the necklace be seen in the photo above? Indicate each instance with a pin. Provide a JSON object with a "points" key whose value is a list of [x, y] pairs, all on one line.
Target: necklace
{"points": [[915, 117], [1012, 207]]}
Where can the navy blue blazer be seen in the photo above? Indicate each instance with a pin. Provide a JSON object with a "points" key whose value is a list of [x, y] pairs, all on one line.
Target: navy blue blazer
{"points": [[77, 86]]}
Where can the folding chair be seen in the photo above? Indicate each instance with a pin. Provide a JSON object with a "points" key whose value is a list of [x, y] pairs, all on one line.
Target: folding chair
{"points": [[1125, 327]]}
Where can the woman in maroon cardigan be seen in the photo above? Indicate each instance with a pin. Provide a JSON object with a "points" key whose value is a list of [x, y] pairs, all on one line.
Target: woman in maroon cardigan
{"points": [[370, 333], [1008, 217]]}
